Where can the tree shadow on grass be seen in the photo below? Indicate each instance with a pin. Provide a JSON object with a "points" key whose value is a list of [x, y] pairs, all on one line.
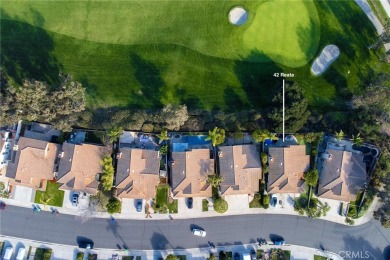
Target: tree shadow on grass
{"points": [[149, 78], [27, 51], [257, 80]]}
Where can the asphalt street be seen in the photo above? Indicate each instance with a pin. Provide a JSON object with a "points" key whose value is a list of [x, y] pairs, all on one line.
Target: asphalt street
{"points": [[176, 234]]}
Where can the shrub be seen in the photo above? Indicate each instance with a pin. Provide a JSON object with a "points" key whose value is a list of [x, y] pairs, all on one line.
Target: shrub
{"points": [[113, 206], [220, 205], [349, 221], [80, 256], [266, 201], [171, 257]]}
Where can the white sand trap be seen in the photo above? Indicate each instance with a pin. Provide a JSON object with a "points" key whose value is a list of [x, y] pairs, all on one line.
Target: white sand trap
{"points": [[238, 16], [328, 55]]}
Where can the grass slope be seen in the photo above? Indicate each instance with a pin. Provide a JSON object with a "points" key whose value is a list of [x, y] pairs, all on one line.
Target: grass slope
{"points": [[150, 75], [192, 24]]}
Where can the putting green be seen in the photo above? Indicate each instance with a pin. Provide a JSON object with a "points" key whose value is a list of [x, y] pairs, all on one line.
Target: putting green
{"points": [[284, 32]]}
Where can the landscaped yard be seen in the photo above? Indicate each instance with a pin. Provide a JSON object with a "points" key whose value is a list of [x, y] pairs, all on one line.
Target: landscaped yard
{"points": [[353, 208], [52, 196], [256, 202], [152, 53], [162, 205], [317, 257], [42, 254], [205, 205]]}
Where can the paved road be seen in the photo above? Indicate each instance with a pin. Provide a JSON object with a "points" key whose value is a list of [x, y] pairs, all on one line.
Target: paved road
{"points": [[161, 234]]}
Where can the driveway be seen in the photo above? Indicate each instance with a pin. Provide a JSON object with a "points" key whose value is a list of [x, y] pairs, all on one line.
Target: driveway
{"points": [[237, 202], [129, 207], [196, 205], [22, 193], [83, 200]]}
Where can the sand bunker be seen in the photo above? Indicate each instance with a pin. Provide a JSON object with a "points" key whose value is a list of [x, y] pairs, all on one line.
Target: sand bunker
{"points": [[238, 16], [328, 55]]}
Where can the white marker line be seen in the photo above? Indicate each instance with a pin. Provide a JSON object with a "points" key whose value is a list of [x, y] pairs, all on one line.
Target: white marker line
{"points": [[283, 110]]}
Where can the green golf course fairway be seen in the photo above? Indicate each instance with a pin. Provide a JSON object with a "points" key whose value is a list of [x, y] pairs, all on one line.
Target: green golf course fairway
{"points": [[145, 54], [202, 26]]}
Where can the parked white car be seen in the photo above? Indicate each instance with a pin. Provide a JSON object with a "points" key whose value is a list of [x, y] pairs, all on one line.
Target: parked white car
{"points": [[8, 253], [21, 253], [198, 232]]}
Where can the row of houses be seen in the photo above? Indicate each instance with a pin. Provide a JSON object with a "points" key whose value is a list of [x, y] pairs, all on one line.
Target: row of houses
{"points": [[140, 167]]}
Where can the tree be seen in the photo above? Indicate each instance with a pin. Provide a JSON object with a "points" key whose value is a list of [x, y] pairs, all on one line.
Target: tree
{"points": [[164, 149], [311, 177], [357, 140], [312, 138], [214, 180], [216, 136], [172, 257], [113, 206], [163, 136], [220, 205], [296, 109], [339, 135], [107, 177], [264, 158], [171, 117], [114, 133], [37, 101], [260, 135]]}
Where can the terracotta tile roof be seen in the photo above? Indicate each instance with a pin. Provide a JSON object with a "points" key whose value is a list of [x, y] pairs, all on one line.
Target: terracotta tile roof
{"points": [[137, 173], [287, 166], [189, 173], [342, 175], [79, 167], [240, 168], [33, 163]]}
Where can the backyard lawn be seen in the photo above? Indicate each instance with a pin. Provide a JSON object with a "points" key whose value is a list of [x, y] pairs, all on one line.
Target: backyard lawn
{"points": [[147, 54], [52, 196], [162, 205]]}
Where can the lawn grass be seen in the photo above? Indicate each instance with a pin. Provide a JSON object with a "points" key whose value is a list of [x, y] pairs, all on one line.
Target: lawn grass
{"points": [[42, 254], [318, 257], [80, 256], [208, 68], [162, 205], [205, 205], [52, 196], [202, 27]]}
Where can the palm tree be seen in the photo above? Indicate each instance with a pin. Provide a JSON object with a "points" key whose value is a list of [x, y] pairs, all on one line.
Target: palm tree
{"points": [[357, 140], [163, 136], [260, 135], [214, 180], [114, 133], [216, 136], [311, 178], [339, 135]]}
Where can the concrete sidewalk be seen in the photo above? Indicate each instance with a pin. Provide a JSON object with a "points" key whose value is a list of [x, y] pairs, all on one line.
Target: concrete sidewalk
{"points": [[286, 209], [70, 252]]}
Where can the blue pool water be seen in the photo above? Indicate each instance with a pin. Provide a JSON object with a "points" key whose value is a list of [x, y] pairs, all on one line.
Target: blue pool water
{"points": [[195, 140], [268, 142]]}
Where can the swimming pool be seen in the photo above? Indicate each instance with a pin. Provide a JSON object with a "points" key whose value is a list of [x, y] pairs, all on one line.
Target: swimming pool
{"points": [[195, 139]]}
